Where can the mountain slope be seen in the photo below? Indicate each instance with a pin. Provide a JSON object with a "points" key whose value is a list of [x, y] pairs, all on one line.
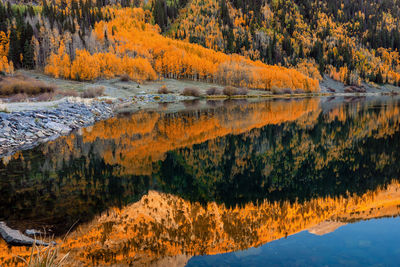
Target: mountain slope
{"points": [[348, 40]]}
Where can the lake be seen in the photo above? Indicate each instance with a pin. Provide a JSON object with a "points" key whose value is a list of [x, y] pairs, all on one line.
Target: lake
{"points": [[289, 182]]}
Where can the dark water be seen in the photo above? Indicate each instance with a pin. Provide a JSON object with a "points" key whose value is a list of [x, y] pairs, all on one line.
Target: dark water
{"points": [[296, 182]]}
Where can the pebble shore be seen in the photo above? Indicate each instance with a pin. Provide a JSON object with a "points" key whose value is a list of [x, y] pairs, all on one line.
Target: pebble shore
{"points": [[26, 129]]}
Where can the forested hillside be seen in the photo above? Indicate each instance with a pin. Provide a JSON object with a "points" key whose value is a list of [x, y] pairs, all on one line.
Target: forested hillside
{"points": [[231, 42], [86, 41], [348, 40]]}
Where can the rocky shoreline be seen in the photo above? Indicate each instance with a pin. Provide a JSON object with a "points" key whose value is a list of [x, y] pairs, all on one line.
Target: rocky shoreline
{"points": [[26, 129]]}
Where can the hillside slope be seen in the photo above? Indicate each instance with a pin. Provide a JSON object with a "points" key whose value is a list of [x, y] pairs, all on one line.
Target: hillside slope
{"points": [[87, 41], [350, 41]]}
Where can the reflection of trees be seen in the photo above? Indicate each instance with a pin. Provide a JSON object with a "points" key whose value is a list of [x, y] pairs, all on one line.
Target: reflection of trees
{"points": [[231, 154], [351, 152], [162, 225], [76, 190], [110, 164], [228, 184]]}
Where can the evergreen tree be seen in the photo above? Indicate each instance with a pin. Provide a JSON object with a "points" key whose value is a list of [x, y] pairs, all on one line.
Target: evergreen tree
{"points": [[379, 77], [14, 49], [230, 46], [28, 56], [301, 51]]}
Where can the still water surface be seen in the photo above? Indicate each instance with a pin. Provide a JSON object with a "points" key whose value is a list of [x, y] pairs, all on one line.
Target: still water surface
{"points": [[298, 182]]}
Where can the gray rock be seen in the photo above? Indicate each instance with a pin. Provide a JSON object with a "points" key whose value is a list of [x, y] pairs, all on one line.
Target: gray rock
{"points": [[26, 129], [58, 127], [33, 232], [7, 129], [40, 134], [16, 238]]}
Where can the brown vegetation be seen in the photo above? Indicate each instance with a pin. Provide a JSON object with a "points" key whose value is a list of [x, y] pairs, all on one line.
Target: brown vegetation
{"points": [[233, 91], [243, 91], [230, 91], [213, 91], [125, 78], [93, 92], [67, 92], [191, 92], [10, 86], [163, 90], [281, 91]]}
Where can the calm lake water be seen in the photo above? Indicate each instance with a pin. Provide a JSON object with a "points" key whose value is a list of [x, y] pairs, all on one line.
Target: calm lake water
{"points": [[305, 182]]}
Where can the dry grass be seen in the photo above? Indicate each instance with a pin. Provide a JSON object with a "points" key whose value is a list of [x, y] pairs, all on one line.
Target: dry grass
{"points": [[10, 86], [280, 91], [163, 90], [45, 257], [191, 92], [243, 91], [213, 91], [125, 78], [230, 91], [299, 91], [67, 92], [19, 98], [354, 89], [93, 92]]}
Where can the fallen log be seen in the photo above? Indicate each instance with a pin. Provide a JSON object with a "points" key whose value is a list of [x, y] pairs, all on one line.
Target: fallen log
{"points": [[16, 238]]}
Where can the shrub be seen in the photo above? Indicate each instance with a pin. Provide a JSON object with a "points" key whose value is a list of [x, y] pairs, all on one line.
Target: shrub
{"points": [[287, 91], [213, 91], [278, 91], [243, 91], [163, 90], [67, 92], [191, 92], [299, 91], [230, 91], [19, 98], [125, 78], [93, 92], [45, 97], [22, 85]]}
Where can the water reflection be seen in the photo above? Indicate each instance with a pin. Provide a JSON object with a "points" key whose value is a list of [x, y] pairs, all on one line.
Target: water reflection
{"points": [[207, 181]]}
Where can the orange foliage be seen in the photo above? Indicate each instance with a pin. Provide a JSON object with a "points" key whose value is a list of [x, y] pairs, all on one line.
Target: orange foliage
{"points": [[85, 66], [88, 66], [309, 68], [136, 48], [59, 65], [5, 66]]}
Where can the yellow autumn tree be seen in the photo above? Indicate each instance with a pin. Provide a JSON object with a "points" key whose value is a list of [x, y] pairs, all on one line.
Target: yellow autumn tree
{"points": [[85, 66], [5, 66], [59, 65], [139, 50]]}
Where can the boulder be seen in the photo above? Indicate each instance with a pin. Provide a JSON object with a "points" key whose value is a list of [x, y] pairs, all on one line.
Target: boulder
{"points": [[16, 238]]}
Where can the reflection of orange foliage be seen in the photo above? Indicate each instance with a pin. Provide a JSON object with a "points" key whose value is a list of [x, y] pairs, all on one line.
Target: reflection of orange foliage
{"points": [[161, 225], [383, 119], [160, 133], [165, 225]]}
